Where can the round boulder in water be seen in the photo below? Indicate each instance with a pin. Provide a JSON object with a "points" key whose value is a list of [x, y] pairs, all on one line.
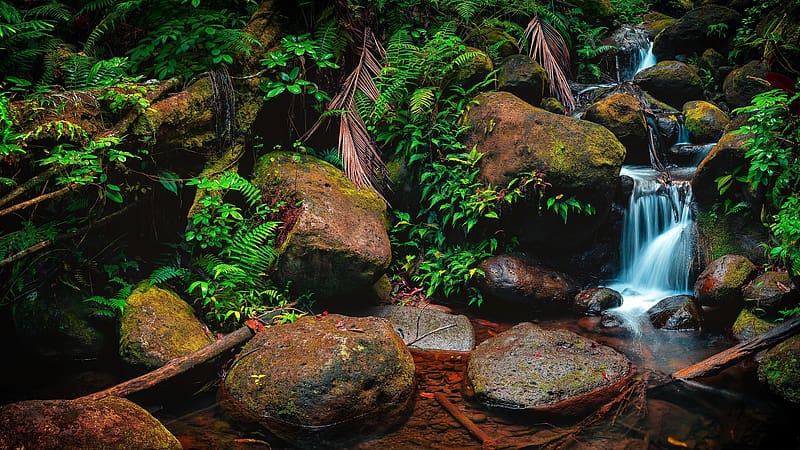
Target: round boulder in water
{"points": [[722, 281], [548, 371], [594, 301], [322, 382], [676, 313], [517, 280], [705, 121], [672, 82]]}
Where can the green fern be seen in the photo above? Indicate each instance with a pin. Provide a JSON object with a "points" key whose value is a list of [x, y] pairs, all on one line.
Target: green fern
{"points": [[82, 73], [164, 274], [112, 306]]}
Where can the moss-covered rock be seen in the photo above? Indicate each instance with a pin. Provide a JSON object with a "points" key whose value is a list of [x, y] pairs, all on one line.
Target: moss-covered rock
{"points": [[623, 115], [722, 234], [553, 371], [523, 77], [338, 245], [741, 84], [109, 423], [704, 121], [689, 35], [654, 22], [593, 301], [322, 381], [157, 326], [476, 69], [720, 284], [771, 292], [724, 158], [779, 368], [748, 325], [579, 158], [672, 82]]}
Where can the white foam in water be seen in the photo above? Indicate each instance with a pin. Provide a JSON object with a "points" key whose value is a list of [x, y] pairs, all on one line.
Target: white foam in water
{"points": [[683, 134], [657, 242]]}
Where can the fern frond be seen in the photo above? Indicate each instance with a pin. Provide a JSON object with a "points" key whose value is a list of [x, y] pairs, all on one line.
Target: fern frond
{"points": [[422, 100], [52, 11], [207, 262], [166, 273]]}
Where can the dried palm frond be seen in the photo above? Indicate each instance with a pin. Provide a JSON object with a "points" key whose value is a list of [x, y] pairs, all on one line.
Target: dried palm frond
{"points": [[361, 158], [547, 46]]}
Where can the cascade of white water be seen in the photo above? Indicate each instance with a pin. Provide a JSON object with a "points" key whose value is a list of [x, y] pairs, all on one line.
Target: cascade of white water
{"points": [[657, 241], [646, 58], [683, 134]]}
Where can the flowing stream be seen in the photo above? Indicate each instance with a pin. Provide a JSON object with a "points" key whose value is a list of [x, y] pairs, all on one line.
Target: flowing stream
{"points": [[657, 240]]}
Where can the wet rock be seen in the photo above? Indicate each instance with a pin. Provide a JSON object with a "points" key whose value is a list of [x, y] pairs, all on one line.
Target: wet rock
{"points": [[748, 326], [622, 114], [339, 245], [723, 159], [676, 313], [581, 158], [740, 88], [704, 121], [322, 381], [158, 326], [553, 371], [629, 40], [770, 293], [719, 288], [722, 234], [690, 34], [412, 323], [672, 82], [721, 282], [523, 77], [517, 280], [779, 368], [109, 423], [592, 302]]}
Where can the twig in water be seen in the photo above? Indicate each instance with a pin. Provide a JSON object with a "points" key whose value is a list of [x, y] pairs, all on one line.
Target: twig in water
{"points": [[430, 333]]}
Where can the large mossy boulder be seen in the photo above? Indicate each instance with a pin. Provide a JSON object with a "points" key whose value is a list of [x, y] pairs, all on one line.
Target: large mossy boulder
{"points": [[748, 325], [672, 82], [779, 368], [742, 84], [548, 371], [322, 381], [704, 121], [157, 326], [690, 35], [577, 157], [109, 423], [338, 246], [623, 115], [524, 77]]}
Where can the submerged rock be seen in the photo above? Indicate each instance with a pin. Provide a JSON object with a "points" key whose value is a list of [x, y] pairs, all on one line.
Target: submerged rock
{"points": [[412, 323], [322, 381], [549, 371], [158, 326], [592, 302], [109, 423], [677, 313]]}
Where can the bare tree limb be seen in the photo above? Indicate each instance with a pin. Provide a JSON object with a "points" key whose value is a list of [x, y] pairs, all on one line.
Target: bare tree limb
{"points": [[24, 187], [38, 199]]}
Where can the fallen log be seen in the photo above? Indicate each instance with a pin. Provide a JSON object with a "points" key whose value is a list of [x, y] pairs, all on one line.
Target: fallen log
{"points": [[182, 364], [726, 358]]}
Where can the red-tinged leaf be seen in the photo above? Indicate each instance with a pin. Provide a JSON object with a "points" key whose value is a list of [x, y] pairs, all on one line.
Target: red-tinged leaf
{"points": [[538, 355]]}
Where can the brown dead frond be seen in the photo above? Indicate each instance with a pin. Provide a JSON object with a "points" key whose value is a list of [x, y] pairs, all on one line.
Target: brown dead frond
{"points": [[547, 46], [360, 155]]}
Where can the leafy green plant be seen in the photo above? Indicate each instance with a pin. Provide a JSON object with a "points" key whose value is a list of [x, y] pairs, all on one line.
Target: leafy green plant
{"points": [[288, 63], [230, 275], [773, 168], [114, 305]]}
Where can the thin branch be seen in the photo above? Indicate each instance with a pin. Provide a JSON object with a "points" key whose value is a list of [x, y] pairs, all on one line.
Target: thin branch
{"points": [[30, 184], [48, 242], [430, 333], [38, 199]]}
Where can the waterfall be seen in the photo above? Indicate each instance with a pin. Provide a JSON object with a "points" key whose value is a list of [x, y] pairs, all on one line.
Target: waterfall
{"points": [[657, 241], [683, 134], [646, 58]]}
